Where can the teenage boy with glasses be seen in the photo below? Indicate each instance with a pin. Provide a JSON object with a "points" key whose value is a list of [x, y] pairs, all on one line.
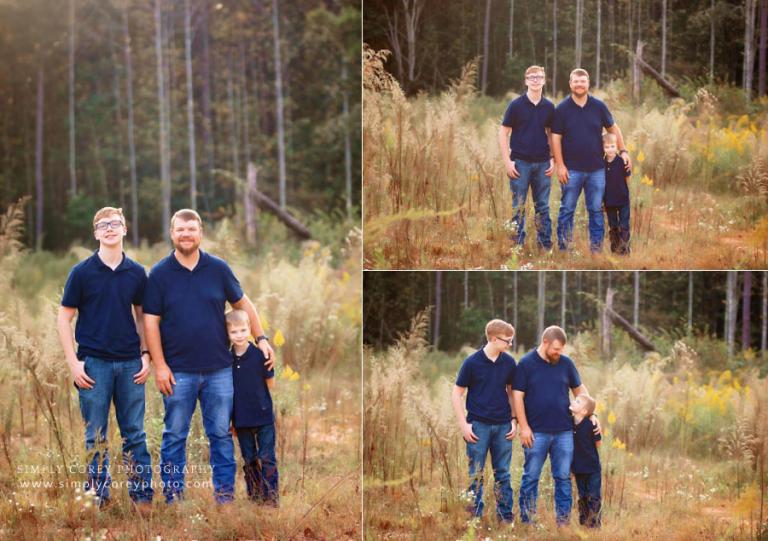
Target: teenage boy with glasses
{"points": [[490, 423]]}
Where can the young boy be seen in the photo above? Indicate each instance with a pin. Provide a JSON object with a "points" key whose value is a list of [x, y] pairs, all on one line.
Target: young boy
{"points": [[490, 423], [111, 364], [586, 460], [252, 414], [616, 199]]}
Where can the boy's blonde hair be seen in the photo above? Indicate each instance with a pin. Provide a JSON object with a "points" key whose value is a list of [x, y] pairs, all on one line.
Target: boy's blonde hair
{"points": [[589, 403], [532, 69], [609, 137], [581, 72], [187, 214], [234, 317], [108, 211], [498, 327]]}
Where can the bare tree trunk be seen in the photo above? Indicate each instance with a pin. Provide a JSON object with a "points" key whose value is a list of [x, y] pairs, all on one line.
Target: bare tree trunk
{"points": [[764, 318], [749, 33], [347, 138], [438, 308], [249, 208], [39, 191], [165, 166], [393, 37], [131, 141], [72, 153], [690, 303], [514, 307], [730, 311], [120, 154], [466, 290], [761, 48], [280, 107], [234, 131], [190, 105], [563, 293], [664, 38], [597, 50], [413, 9], [636, 303], [711, 41], [208, 140], [636, 80], [554, 47], [486, 32], [746, 306], [541, 297], [607, 309], [579, 32], [511, 27]]}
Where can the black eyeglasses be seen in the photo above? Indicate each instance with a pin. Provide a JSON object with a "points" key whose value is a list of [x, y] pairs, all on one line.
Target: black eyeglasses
{"points": [[508, 342], [114, 224], [535, 77]]}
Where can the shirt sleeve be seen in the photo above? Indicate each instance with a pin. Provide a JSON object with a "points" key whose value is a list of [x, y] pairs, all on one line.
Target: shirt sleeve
{"points": [[628, 173], [511, 377], [550, 116], [520, 381], [509, 117], [558, 122], [232, 288], [606, 116], [72, 290], [598, 437], [464, 379], [138, 297], [573, 376], [153, 296]]}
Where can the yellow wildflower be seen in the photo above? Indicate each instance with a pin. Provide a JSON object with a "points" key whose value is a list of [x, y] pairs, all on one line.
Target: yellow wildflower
{"points": [[279, 339], [611, 418], [641, 157]]}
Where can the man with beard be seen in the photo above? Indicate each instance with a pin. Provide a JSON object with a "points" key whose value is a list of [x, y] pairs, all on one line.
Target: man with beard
{"points": [[577, 145], [186, 333], [540, 394]]}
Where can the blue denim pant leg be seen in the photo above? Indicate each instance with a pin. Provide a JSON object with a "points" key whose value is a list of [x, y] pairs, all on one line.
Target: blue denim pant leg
{"points": [[590, 500], [491, 437], [476, 453], [618, 228], [531, 175], [257, 445], [594, 192], [529, 484], [179, 408], [94, 407], [569, 196], [561, 458], [129, 402], [216, 395]]}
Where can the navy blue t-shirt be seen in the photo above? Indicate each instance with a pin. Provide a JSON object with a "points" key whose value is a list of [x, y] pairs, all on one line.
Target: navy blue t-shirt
{"points": [[529, 140], [616, 188], [582, 131], [586, 459], [252, 405], [546, 388], [486, 381], [103, 297], [191, 304]]}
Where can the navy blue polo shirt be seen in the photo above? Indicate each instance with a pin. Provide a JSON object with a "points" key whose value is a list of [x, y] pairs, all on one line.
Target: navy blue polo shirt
{"points": [[616, 188], [252, 403], [486, 381], [586, 459], [191, 304], [528, 140], [582, 131], [103, 297], [546, 388]]}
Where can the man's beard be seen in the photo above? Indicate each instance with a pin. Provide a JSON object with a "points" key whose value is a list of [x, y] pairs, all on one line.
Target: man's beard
{"points": [[187, 251]]}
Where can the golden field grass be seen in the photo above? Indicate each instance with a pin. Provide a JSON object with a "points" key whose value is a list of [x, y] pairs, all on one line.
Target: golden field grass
{"points": [[312, 302], [436, 196]]}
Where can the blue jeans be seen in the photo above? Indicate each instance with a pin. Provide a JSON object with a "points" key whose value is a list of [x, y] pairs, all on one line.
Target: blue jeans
{"points": [[114, 383], [593, 184], [559, 446], [257, 445], [531, 174], [590, 502], [618, 232], [491, 438], [215, 391]]}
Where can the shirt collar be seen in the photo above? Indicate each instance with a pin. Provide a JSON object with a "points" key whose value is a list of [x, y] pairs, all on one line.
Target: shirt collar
{"points": [[101, 265], [202, 262]]}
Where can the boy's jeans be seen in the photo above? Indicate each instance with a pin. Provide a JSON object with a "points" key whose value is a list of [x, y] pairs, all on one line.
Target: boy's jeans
{"points": [[589, 498], [593, 184], [215, 391], [559, 446], [114, 382], [531, 174], [618, 223], [491, 437], [257, 446]]}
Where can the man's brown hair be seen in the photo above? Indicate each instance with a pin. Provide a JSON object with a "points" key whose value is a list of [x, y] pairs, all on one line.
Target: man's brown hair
{"points": [[532, 69], [187, 215], [108, 211], [553, 333], [580, 72], [498, 327]]}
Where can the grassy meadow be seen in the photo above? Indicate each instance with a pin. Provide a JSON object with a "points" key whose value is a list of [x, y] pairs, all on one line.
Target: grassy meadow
{"points": [[684, 447], [309, 297], [436, 195]]}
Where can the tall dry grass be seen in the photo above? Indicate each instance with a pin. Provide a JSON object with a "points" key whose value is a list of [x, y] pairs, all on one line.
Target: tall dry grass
{"points": [[317, 400], [436, 196], [683, 449]]}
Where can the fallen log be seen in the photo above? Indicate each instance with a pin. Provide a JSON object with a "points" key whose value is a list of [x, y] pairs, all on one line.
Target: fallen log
{"points": [[648, 69], [283, 215], [636, 335]]}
